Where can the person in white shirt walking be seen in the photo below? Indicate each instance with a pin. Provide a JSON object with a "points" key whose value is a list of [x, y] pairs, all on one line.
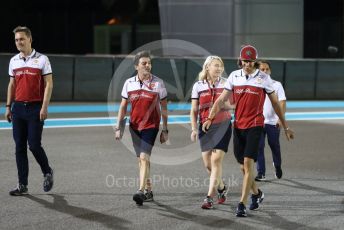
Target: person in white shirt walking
{"points": [[271, 128]]}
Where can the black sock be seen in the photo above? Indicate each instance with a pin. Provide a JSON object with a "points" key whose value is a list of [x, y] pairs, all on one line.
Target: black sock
{"points": [[221, 190]]}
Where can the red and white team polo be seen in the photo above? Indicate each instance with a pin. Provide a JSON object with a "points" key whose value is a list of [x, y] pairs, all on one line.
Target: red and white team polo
{"points": [[28, 74], [145, 100], [207, 94], [249, 97]]}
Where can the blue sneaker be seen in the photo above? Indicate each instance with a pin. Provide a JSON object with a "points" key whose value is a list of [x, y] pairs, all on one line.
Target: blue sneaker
{"points": [[241, 210], [48, 182], [256, 200]]}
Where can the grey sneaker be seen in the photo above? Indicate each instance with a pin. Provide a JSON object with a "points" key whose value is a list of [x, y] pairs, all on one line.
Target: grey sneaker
{"points": [[148, 196], [48, 182], [20, 190]]}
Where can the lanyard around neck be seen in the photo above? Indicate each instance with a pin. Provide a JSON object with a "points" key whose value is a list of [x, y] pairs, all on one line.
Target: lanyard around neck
{"points": [[212, 92]]}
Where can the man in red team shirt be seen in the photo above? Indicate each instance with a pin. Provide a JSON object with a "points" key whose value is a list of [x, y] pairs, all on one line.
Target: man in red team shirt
{"points": [[146, 93], [249, 87], [28, 97]]}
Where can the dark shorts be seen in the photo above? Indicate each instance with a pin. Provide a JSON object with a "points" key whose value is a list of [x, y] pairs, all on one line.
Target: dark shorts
{"points": [[143, 140], [217, 137], [246, 143]]}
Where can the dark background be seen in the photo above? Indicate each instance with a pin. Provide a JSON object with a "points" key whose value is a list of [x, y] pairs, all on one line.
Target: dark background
{"points": [[323, 27], [66, 26]]}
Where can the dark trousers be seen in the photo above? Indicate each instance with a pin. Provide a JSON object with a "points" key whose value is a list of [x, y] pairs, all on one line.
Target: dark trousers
{"points": [[27, 128], [272, 133]]}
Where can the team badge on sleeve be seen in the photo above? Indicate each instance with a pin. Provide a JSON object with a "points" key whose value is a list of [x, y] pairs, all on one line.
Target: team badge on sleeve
{"points": [[259, 80]]}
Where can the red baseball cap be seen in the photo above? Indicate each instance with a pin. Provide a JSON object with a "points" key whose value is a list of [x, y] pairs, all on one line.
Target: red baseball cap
{"points": [[248, 52]]}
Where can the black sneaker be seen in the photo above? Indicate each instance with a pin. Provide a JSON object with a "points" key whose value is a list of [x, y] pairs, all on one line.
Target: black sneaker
{"points": [[48, 181], [148, 195], [139, 197], [241, 210], [278, 172], [260, 177], [256, 200], [20, 190]]}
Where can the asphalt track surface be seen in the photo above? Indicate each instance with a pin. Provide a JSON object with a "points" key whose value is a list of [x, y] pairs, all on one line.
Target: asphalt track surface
{"points": [[95, 178]]}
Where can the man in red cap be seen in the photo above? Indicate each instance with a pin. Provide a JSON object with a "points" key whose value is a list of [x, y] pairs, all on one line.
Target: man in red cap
{"points": [[247, 89]]}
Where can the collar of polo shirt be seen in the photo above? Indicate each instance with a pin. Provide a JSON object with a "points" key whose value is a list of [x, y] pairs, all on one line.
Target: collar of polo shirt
{"points": [[149, 79], [30, 56], [254, 74]]}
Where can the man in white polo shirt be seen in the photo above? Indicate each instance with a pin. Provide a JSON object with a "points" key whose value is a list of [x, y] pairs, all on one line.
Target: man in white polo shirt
{"points": [[271, 128]]}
